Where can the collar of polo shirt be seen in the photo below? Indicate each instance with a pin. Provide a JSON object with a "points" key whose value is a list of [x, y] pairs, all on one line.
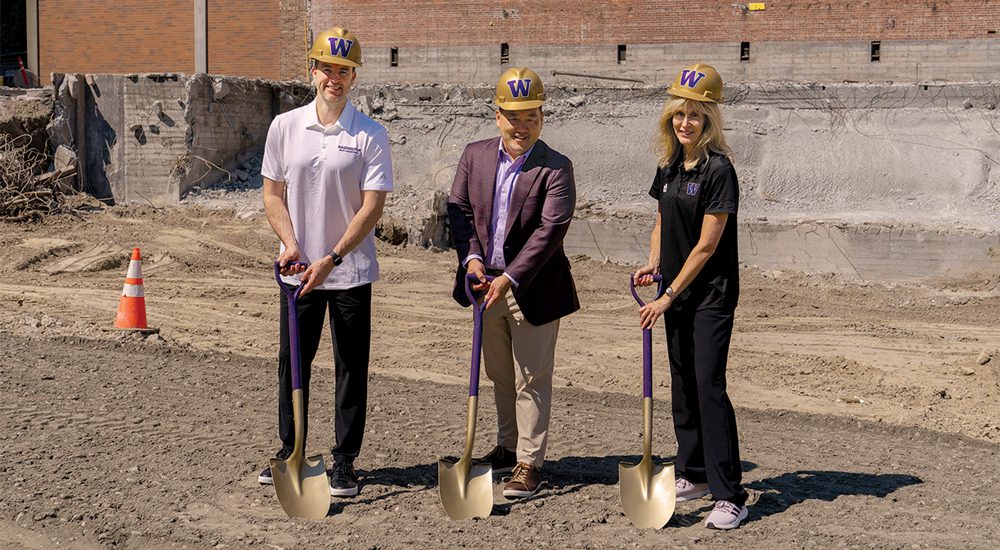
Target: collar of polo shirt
{"points": [[678, 163], [345, 122]]}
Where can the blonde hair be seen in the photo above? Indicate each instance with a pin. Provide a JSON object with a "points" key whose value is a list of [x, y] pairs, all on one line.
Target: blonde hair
{"points": [[667, 146]]}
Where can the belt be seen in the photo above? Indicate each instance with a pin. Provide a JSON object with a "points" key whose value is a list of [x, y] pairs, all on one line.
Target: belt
{"points": [[494, 272]]}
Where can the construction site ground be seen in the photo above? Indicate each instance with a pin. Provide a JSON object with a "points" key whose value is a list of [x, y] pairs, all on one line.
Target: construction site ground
{"points": [[868, 412]]}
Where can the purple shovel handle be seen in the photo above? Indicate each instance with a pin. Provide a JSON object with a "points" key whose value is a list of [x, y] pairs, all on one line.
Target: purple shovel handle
{"points": [[477, 333], [647, 338], [293, 323]]}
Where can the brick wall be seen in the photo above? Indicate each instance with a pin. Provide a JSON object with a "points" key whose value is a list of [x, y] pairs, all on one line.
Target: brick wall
{"points": [[294, 38], [428, 23], [136, 36], [243, 38], [125, 36], [459, 40]]}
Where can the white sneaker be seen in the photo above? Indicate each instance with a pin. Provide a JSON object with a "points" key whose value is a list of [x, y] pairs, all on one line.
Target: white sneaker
{"points": [[690, 491], [726, 515]]}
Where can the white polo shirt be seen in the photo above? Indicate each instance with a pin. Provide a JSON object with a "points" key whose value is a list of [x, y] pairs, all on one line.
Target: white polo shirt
{"points": [[324, 171]]}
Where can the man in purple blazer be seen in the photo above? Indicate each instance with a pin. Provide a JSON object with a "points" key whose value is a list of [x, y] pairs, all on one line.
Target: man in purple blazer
{"points": [[509, 208]]}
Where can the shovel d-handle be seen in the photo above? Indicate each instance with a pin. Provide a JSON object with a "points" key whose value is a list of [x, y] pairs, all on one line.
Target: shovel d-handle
{"points": [[647, 338], [293, 323], [477, 332]]}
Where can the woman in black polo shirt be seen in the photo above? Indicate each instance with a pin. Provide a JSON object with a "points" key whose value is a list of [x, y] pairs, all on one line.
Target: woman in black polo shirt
{"points": [[694, 247]]}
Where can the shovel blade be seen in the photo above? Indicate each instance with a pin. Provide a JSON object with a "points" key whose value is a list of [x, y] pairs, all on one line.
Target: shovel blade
{"points": [[647, 492], [302, 486], [465, 491]]}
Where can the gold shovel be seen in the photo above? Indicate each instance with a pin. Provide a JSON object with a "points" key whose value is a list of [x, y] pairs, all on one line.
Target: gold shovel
{"points": [[647, 490], [466, 489], [300, 482]]}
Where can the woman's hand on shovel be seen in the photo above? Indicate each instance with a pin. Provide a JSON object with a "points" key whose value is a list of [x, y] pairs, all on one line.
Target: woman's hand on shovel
{"points": [[644, 275], [649, 313]]}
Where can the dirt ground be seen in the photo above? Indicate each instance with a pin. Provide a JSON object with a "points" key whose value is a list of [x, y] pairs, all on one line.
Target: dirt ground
{"points": [[868, 413]]}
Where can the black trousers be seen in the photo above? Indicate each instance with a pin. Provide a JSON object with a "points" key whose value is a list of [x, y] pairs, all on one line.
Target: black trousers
{"points": [[704, 421], [350, 323]]}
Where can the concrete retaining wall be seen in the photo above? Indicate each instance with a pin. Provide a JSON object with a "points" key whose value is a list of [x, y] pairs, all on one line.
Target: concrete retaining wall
{"points": [[900, 61], [869, 159], [868, 252]]}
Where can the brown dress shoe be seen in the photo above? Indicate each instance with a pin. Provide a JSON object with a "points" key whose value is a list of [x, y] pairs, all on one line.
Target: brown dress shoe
{"points": [[525, 481]]}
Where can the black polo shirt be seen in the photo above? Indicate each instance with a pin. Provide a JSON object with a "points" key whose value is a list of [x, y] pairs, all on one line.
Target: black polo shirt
{"points": [[685, 197]]}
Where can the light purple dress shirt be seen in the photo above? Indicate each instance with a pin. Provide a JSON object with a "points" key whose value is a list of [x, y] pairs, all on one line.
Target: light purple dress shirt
{"points": [[507, 171]]}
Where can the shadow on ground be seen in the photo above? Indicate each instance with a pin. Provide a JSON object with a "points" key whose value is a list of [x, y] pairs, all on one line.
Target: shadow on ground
{"points": [[780, 493]]}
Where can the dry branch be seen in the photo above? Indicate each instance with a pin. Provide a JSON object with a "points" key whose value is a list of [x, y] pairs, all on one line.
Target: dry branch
{"points": [[26, 195]]}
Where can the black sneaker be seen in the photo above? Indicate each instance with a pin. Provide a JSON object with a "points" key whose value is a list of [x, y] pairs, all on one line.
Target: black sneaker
{"points": [[343, 480], [265, 477], [500, 459]]}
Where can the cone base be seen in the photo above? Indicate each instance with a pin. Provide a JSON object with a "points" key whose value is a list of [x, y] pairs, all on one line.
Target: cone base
{"points": [[147, 330]]}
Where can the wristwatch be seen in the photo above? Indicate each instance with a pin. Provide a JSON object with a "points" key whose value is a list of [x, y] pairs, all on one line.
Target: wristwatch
{"points": [[670, 292], [337, 260]]}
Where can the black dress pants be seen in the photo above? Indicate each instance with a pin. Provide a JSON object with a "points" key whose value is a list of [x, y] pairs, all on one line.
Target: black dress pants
{"points": [[350, 323], [704, 421]]}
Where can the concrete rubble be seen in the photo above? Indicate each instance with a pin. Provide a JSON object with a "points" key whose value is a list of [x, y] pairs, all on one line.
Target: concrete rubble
{"points": [[25, 112]]}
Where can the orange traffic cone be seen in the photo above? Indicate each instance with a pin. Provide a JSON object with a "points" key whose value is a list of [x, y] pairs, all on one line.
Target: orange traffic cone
{"points": [[132, 305]]}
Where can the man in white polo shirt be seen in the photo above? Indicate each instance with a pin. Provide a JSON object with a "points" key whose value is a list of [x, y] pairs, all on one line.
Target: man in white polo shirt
{"points": [[327, 170]]}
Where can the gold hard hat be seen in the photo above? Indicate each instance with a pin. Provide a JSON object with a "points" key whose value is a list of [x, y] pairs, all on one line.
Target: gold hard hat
{"points": [[338, 46], [519, 88], [699, 82]]}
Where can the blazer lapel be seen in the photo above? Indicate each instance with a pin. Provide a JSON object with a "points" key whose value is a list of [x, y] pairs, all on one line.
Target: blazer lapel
{"points": [[526, 180]]}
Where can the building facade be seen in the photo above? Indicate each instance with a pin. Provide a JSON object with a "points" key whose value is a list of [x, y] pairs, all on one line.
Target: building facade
{"points": [[457, 41]]}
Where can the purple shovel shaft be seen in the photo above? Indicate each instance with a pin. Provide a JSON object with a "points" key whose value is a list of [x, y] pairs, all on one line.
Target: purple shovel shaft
{"points": [[477, 333], [647, 338], [293, 324]]}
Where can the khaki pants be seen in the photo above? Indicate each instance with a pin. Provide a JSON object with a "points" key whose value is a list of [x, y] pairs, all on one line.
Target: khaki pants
{"points": [[519, 358]]}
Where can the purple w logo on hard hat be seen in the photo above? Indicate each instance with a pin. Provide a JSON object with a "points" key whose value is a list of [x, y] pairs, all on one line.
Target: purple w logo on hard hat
{"points": [[691, 78], [340, 47], [519, 87]]}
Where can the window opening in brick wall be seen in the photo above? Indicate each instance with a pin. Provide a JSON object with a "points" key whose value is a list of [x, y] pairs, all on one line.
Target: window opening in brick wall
{"points": [[876, 51], [991, 32], [744, 51], [393, 57], [504, 53], [621, 53]]}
